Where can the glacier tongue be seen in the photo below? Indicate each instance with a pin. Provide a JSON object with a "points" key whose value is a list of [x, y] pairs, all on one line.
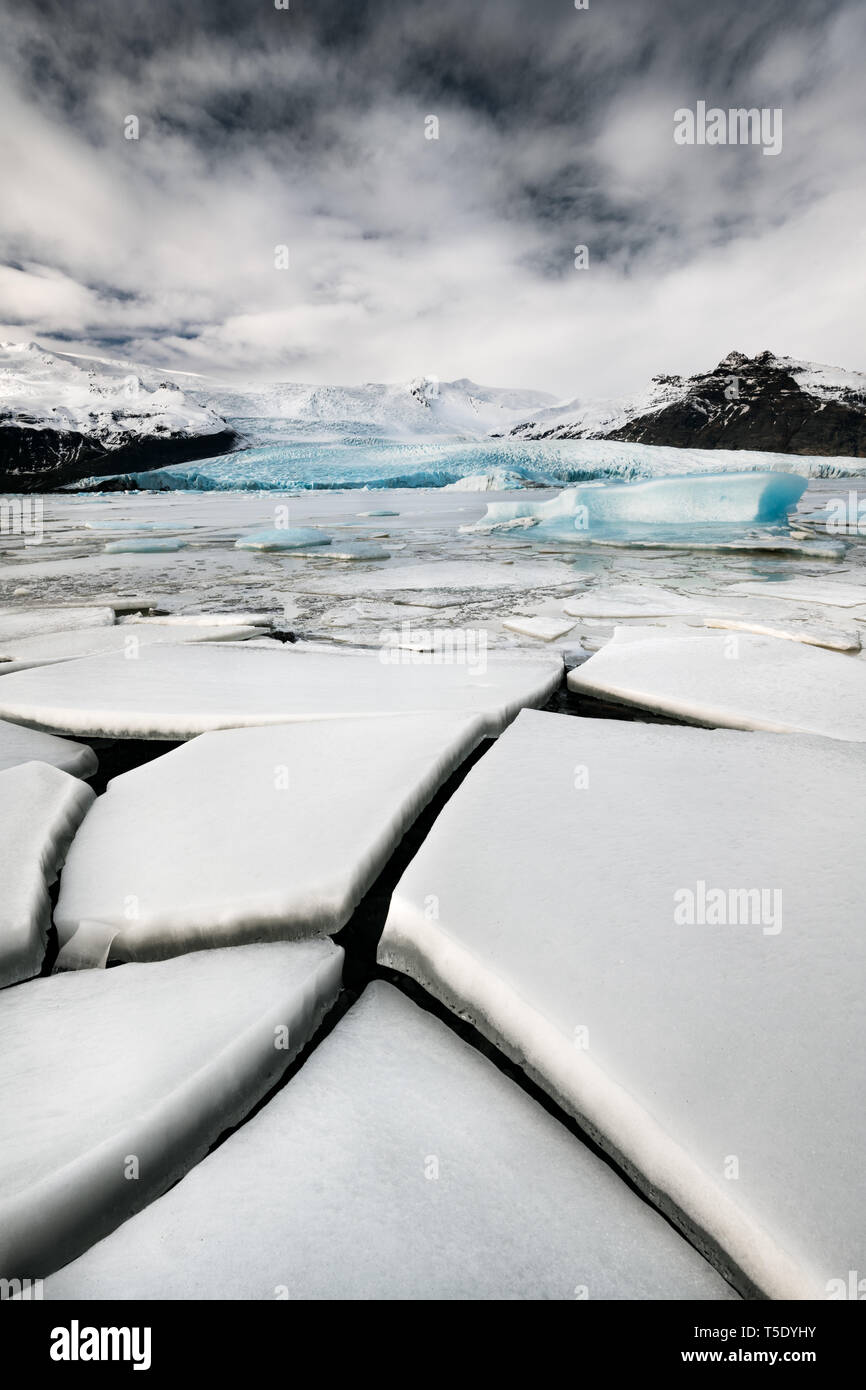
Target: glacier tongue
{"points": [[397, 1164]]}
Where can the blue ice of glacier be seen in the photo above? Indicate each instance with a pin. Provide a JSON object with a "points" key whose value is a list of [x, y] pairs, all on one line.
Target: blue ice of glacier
{"points": [[700, 499], [287, 538]]}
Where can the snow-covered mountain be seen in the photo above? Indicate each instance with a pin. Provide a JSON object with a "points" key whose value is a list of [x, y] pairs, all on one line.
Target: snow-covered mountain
{"points": [[764, 402], [63, 416], [404, 410]]}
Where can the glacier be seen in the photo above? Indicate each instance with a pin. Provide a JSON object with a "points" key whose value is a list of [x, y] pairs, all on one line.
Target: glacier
{"points": [[378, 463]]}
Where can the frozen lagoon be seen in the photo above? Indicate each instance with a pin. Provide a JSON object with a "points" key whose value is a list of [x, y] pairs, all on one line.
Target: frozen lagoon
{"points": [[508, 591]]}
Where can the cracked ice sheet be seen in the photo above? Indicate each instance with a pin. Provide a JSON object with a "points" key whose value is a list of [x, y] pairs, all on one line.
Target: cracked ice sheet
{"points": [[40, 811], [542, 627], [51, 647], [679, 1045], [329, 1192], [151, 1061], [253, 834], [17, 623], [436, 575], [175, 692], [731, 680], [19, 745], [808, 591], [814, 635]]}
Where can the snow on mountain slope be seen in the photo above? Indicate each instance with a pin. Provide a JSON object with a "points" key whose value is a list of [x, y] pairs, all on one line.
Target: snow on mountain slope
{"points": [[64, 416], [94, 396], [764, 402], [393, 410]]}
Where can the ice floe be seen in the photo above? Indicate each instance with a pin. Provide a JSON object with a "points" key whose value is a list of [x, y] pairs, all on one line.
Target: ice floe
{"points": [[545, 629], [116, 1082], [289, 538], [251, 834], [40, 811], [32, 622], [207, 619], [722, 545], [144, 546], [177, 691], [397, 1164], [805, 591], [125, 638], [837, 639], [662, 929], [632, 601], [436, 575], [741, 681], [19, 745], [355, 550]]}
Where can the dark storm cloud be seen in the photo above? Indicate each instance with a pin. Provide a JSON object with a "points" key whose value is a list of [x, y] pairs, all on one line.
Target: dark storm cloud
{"points": [[305, 127]]}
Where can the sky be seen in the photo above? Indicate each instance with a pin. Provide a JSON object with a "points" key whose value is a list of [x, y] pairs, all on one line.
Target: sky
{"points": [[307, 129]]}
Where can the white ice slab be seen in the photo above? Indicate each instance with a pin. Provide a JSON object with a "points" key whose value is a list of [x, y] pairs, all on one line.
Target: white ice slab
{"points": [[733, 680], [144, 546], [835, 638], [355, 550], [205, 620], [632, 601], [114, 1083], [16, 623], [437, 575], [287, 538], [545, 629], [175, 692], [19, 745], [125, 638], [397, 1164], [805, 591], [40, 811], [550, 905], [251, 834]]}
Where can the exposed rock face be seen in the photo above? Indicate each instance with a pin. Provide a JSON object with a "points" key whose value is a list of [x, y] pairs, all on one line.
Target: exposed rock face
{"points": [[64, 417], [35, 460], [764, 402]]}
